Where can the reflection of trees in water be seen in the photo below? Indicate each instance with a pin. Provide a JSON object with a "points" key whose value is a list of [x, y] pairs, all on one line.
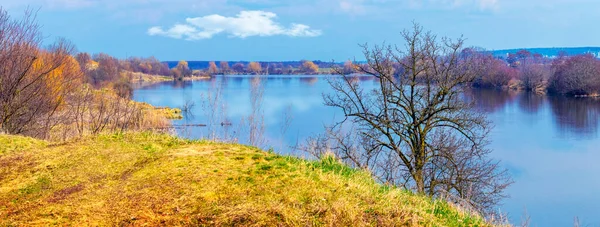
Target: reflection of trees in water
{"points": [[286, 80], [365, 77], [222, 81], [237, 80], [578, 116], [309, 80], [490, 100], [146, 86], [530, 102], [181, 84], [281, 81], [156, 86]]}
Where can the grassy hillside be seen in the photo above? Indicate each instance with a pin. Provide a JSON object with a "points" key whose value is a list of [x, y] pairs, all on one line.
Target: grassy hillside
{"points": [[151, 179]]}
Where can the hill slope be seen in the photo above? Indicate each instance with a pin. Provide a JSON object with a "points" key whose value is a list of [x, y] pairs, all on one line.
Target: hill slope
{"points": [[150, 179]]}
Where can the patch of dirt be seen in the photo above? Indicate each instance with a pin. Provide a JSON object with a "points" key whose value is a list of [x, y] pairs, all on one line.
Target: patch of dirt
{"points": [[64, 193], [16, 163], [136, 167]]}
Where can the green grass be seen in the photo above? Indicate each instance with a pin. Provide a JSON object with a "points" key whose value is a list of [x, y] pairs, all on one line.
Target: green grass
{"points": [[153, 179]]}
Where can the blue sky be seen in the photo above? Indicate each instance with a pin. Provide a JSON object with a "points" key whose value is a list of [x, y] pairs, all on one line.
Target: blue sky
{"points": [[326, 30]]}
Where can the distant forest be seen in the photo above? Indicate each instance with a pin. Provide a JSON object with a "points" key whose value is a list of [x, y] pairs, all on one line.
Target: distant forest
{"points": [[502, 54], [550, 52], [198, 65]]}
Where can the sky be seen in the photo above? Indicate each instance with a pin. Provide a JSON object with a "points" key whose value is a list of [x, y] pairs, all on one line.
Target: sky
{"points": [[272, 30]]}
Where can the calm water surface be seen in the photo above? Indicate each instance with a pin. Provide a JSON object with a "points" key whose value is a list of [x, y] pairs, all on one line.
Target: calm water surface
{"points": [[550, 144]]}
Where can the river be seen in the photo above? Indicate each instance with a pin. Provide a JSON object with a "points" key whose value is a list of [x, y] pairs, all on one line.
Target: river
{"points": [[551, 145]]}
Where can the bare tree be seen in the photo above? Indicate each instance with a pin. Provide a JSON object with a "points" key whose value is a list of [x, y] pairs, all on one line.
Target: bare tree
{"points": [[79, 104], [256, 119], [285, 124], [415, 129], [224, 67], [255, 68], [576, 76], [33, 81], [238, 68], [212, 68], [535, 76], [215, 109]]}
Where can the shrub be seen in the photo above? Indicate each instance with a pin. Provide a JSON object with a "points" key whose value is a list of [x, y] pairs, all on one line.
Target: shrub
{"points": [[576, 76]]}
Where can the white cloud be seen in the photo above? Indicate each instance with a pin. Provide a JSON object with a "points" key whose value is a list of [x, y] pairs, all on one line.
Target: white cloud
{"points": [[178, 31], [244, 24]]}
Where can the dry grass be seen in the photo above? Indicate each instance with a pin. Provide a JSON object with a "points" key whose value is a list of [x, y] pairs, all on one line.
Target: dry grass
{"points": [[152, 179], [166, 112], [138, 77], [122, 115], [194, 78]]}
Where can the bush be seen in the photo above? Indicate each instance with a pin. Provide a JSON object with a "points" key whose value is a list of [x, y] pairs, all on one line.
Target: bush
{"points": [[494, 73], [576, 76]]}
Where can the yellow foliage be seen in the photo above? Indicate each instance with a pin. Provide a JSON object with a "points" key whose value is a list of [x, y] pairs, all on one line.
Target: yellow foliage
{"points": [[310, 67], [92, 65], [183, 64], [212, 68], [254, 67], [59, 72]]}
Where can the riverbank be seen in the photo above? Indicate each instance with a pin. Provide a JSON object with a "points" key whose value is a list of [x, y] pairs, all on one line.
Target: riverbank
{"points": [[194, 78], [156, 179], [149, 79], [138, 77], [163, 111]]}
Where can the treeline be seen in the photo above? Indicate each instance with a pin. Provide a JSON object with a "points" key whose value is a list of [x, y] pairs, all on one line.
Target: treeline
{"points": [[550, 52], [102, 70], [47, 92], [266, 68], [577, 75], [199, 65]]}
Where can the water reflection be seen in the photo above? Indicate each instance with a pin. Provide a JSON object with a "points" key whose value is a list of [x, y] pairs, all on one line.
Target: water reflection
{"points": [[238, 80], [576, 116], [572, 117], [490, 100], [309, 80], [530, 102], [549, 143]]}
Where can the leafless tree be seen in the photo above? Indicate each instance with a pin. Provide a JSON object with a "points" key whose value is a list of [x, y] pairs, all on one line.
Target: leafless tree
{"points": [[256, 118], [224, 66], [79, 106], [285, 124], [109, 112], [576, 222], [535, 76], [416, 129], [187, 108], [33, 81], [215, 109], [525, 219], [576, 76]]}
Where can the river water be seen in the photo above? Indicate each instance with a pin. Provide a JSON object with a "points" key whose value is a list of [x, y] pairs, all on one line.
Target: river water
{"points": [[551, 145]]}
